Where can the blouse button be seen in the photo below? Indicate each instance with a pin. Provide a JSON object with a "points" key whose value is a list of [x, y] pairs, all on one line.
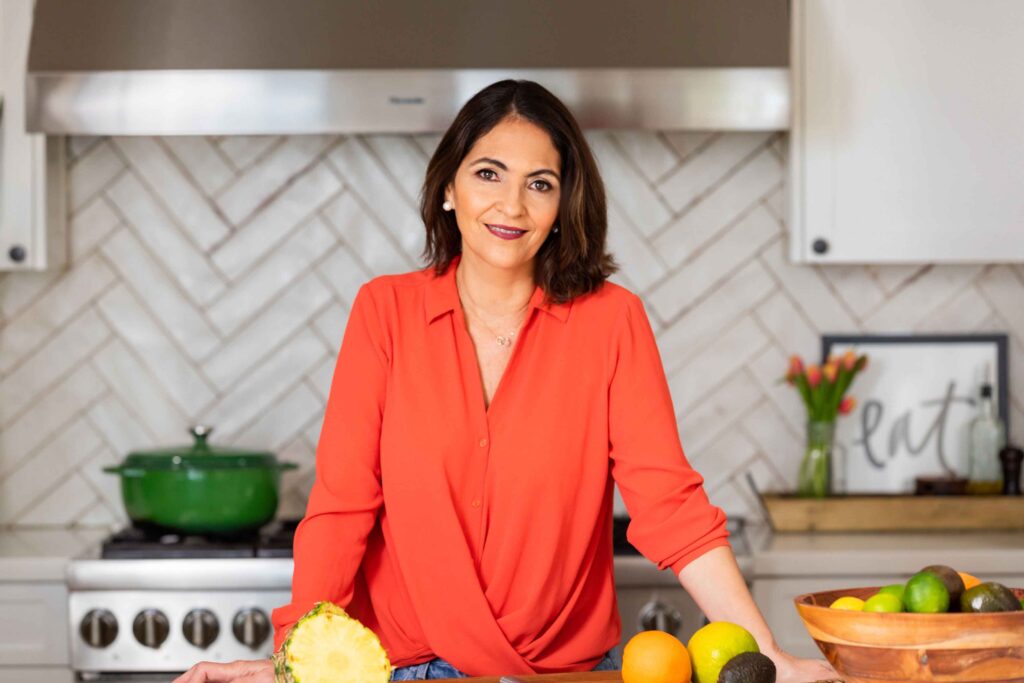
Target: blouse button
{"points": [[476, 503], [483, 443]]}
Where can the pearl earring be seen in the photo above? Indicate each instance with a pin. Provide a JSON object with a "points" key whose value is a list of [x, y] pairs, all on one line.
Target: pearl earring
{"points": [[556, 229], [447, 206]]}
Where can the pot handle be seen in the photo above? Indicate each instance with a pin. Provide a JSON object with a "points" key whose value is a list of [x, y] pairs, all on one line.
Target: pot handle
{"points": [[129, 472], [282, 466]]}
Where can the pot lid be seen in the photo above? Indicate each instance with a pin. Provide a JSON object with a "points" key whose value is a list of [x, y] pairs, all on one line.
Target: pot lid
{"points": [[200, 455]]}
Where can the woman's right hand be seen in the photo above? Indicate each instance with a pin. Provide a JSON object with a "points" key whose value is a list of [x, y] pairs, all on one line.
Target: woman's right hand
{"points": [[243, 670]]}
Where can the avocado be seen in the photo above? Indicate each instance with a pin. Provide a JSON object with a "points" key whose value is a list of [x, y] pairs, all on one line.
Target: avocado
{"points": [[748, 667], [989, 597], [950, 577]]}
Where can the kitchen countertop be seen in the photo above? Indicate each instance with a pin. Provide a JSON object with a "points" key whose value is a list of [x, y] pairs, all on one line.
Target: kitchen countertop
{"points": [[809, 554], [39, 555]]}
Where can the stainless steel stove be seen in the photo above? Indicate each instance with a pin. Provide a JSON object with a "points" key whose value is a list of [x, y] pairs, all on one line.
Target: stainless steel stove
{"points": [[152, 604]]}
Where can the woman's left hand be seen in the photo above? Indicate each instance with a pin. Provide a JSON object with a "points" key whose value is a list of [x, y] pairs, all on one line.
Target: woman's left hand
{"points": [[790, 669]]}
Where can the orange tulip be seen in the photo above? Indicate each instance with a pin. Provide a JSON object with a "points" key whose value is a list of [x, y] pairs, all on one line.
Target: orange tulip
{"points": [[849, 360], [796, 365], [847, 405], [830, 371], [813, 375]]}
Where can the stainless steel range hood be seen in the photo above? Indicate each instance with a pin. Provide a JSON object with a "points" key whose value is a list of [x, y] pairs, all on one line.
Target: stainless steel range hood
{"points": [[212, 67]]}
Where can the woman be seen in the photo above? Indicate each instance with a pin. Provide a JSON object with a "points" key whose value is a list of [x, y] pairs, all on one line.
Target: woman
{"points": [[479, 412]]}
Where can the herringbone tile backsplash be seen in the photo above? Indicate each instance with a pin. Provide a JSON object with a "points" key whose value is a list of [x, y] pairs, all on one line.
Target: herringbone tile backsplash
{"points": [[210, 279]]}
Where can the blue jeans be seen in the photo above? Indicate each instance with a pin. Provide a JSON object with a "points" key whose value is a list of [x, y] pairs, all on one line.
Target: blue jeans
{"points": [[439, 668]]}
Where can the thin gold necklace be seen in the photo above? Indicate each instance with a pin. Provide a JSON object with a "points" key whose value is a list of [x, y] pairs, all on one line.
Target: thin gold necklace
{"points": [[504, 340]]}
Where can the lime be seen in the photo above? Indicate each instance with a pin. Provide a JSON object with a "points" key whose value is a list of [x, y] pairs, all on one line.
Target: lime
{"points": [[712, 646], [926, 593], [883, 602], [848, 603], [893, 589]]}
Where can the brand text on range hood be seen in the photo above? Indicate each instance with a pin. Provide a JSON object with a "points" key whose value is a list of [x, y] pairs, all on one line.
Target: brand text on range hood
{"points": [[195, 67]]}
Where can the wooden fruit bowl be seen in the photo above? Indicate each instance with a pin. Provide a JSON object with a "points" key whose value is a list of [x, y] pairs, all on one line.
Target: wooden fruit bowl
{"points": [[868, 647]]}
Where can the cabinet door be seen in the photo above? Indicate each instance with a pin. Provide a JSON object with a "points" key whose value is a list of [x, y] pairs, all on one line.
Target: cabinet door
{"points": [[35, 675], [32, 166], [33, 625], [907, 144]]}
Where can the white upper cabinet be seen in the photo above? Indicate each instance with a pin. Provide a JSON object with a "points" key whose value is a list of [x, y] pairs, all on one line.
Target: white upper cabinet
{"points": [[907, 143], [32, 167]]}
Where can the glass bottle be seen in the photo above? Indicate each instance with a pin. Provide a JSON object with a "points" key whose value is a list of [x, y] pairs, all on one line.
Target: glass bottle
{"points": [[987, 438]]}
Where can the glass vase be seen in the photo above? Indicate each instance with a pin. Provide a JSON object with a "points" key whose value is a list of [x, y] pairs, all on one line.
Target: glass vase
{"points": [[815, 480]]}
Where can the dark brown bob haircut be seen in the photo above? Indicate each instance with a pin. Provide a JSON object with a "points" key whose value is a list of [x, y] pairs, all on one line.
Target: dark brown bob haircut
{"points": [[572, 261]]}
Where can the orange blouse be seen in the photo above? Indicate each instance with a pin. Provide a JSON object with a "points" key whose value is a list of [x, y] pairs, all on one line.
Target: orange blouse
{"points": [[483, 536]]}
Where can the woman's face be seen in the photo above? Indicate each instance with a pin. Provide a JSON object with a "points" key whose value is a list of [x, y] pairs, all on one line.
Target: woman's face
{"points": [[506, 195]]}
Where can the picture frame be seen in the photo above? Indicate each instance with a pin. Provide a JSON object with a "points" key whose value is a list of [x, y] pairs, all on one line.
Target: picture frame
{"points": [[915, 401]]}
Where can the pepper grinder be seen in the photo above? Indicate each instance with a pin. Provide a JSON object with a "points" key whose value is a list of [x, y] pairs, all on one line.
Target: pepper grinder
{"points": [[1011, 458]]}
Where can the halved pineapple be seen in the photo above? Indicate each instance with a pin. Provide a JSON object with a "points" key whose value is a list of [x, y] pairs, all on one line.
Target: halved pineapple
{"points": [[328, 646]]}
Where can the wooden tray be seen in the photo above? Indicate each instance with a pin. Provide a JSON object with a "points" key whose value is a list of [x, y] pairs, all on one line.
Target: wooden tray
{"points": [[895, 513]]}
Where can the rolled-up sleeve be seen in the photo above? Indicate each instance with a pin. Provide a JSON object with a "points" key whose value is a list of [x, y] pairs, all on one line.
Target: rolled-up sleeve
{"points": [[331, 539], [672, 522]]}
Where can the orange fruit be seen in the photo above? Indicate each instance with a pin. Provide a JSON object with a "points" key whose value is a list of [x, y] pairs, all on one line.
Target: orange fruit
{"points": [[969, 581], [655, 657]]}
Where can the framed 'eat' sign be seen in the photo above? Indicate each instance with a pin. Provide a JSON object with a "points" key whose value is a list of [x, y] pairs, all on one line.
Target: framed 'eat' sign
{"points": [[915, 400]]}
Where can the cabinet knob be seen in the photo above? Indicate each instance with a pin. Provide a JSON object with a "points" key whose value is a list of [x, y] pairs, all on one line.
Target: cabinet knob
{"points": [[251, 627], [98, 628], [151, 628], [17, 253], [201, 628], [659, 616], [820, 246]]}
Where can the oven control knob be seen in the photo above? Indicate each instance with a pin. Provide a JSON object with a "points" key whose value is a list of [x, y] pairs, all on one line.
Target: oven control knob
{"points": [[251, 627], [151, 628], [659, 616], [201, 628], [98, 628]]}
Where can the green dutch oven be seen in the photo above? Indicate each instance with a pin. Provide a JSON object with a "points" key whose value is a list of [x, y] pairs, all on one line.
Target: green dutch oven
{"points": [[201, 488]]}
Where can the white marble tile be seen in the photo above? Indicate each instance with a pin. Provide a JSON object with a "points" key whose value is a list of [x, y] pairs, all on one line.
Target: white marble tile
{"points": [[915, 300], [697, 378], [382, 197], [198, 155], [810, 291], [265, 383], [1004, 288], [63, 505], [257, 288], [283, 421], [703, 323], [168, 365], [49, 312], [33, 476], [343, 273], [639, 263], [186, 263], [88, 227], [141, 393], [48, 364], [275, 222], [160, 295], [719, 411], [715, 211], [179, 197], [648, 152], [121, 430], [260, 337], [626, 186], [330, 325], [243, 150], [268, 176], [55, 408], [91, 173], [375, 247], [702, 172], [734, 247], [403, 160], [688, 143], [788, 328]]}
